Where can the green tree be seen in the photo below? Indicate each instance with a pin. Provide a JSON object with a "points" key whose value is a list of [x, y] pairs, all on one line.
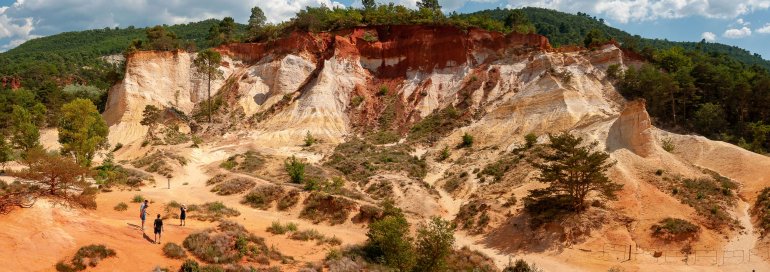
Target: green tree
{"points": [[388, 241], [6, 154], [709, 119], [24, 133], [594, 37], [207, 64], [519, 23], [227, 28], [257, 19], [295, 169], [369, 4], [82, 131], [429, 4], [159, 38], [434, 244], [574, 171]]}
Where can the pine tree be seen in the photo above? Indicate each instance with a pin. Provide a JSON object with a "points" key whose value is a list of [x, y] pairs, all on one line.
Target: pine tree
{"points": [[207, 64], [574, 171], [82, 131]]}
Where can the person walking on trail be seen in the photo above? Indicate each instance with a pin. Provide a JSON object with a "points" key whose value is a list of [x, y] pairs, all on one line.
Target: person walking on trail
{"points": [[157, 228], [182, 214], [143, 212]]}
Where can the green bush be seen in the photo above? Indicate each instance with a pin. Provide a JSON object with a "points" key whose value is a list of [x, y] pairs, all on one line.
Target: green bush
{"points": [[434, 245], [233, 186], [174, 251], [262, 197], [296, 170], [668, 145], [86, 256], [229, 243], [530, 140], [137, 199], [522, 266], [309, 139], [672, 228], [321, 207], [444, 154], [388, 241], [467, 141], [761, 210], [190, 266]]}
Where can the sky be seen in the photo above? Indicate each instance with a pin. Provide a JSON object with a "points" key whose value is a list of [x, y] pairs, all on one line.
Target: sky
{"points": [[743, 23]]}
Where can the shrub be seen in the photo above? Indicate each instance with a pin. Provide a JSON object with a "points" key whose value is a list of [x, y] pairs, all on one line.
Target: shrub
{"points": [[761, 210], [86, 256], [674, 228], [530, 140], [444, 154], [306, 235], [668, 145], [248, 162], [190, 266], [309, 140], [118, 146], [121, 207], [229, 243], [233, 186], [521, 266], [465, 259], [137, 199], [295, 169], [437, 125], [359, 160], [174, 251], [467, 141], [322, 207], [289, 200], [211, 211], [383, 91], [263, 197], [388, 240], [277, 228], [356, 100]]}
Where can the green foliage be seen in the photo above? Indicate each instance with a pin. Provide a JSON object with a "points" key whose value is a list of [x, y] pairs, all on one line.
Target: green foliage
{"points": [[159, 38], [668, 145], [711, 197], [190, 266], [444, 154], [24, 133], [82, 131], [87, 256], [229, 243], [674, 228], [519, 22], [436, 125], [594, 37], [434, 245], [207, 64], [137, 199], [572, 171], [262, 197], [359, 160], [257, 20], [295, 169], [309, 139], [225, 31], [6, 154], [467, 141], [521, 266], [320, 206], [233, 186], [710, 119], [761, 210], [530, 140], [388, 242]]}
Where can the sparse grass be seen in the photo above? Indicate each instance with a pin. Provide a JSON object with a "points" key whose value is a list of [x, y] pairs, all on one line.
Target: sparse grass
{"points": [[444, 154], [321, 207], [216, 179], [306, 235], [473, 216], [436, 126], [761, 210], [86, 256], [674, 229], [233, 186], [359, 160], [499, 168], [158, 162], [122, 206], [711, 197], [278, 228], [262, 197], [248, 163], [174, 251], [383, 137], [668, 145]]}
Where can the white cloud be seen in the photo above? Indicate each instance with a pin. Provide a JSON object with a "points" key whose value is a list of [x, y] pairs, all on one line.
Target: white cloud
{"points": [[708, 36], [765, 29], [642, 10], [735, 33]]}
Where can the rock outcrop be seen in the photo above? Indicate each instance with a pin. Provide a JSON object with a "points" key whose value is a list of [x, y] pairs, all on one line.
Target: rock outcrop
{"points": [[633, 129]]}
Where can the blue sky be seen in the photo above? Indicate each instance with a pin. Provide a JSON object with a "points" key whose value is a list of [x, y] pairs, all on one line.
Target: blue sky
{"points": [[744, 23]]}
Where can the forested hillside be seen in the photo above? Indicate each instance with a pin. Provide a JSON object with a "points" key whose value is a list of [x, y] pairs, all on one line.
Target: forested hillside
{"points": [[564, 28]]}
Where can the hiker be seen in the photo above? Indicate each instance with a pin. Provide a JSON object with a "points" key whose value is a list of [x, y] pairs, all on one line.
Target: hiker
{"points": [[182, 214], [158, 228], [143, 212]]}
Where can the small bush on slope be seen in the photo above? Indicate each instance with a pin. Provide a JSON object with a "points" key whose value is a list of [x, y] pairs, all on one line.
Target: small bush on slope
{"points": [[233, 186], [262, 197], [228, 243], [174, 251], [674, 229], [89, 255], [321, 207]]}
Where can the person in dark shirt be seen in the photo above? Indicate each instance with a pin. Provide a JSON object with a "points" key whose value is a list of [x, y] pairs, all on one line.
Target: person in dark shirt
{"points": [[182, 215], [158, 227]]}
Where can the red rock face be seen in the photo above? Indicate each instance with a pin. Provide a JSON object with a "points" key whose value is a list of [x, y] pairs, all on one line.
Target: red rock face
{"points": [[394, 49], [12, 83]]}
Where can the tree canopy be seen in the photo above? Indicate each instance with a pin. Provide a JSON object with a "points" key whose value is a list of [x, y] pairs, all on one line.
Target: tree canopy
{"points": [[82, 131]]}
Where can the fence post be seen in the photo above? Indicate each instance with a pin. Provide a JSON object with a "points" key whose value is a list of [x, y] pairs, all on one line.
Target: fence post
{"points": [[629, 252]]}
